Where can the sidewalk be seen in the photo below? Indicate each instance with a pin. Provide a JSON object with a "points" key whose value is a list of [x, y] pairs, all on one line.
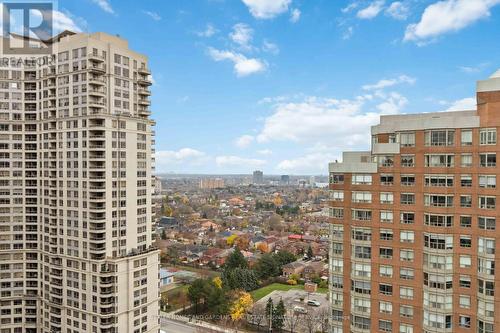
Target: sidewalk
{"points": [[174, 316]]}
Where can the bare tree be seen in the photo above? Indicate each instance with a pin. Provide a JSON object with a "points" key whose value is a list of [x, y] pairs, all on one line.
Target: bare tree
{"points": [[310, 321], [291, 320], [323, 319], [258, 315]]}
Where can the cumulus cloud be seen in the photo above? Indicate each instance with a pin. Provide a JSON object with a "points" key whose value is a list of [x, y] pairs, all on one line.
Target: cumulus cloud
{"points": [[208, 32], [243, 66], [244, 141], [393, 103], [168, 159], [272, 48], [468, 103], [398, 10], [316, 162], [373, 9], [447, 16], [237, 161], [384, 83], [265, 152], [267, 9], [104, 5], [242, 35], [295, 15]]}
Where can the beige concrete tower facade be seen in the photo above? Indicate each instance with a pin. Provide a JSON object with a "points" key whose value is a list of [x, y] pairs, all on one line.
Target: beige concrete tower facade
{"points": [[414, 241], [76, 167]]}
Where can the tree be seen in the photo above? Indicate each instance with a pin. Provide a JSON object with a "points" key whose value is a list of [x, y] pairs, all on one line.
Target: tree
{"points": [[267, 266], [163, 301], [231, 239], [242, 303], [269, 311], [284, 257], [310, 321], [197, 293], [310, 253], [292, 320], [258, 315], [323, 318], [217, 281], [236, 260], [240, 278], [279, 315], [163, 234], [262, 247], [217, 300]]}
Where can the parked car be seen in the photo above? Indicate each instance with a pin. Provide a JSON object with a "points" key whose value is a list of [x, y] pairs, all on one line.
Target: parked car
{"points": [[299, 309], [313, 302]]}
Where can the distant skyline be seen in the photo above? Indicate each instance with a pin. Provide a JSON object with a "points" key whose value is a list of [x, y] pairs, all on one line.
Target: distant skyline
{"points": [[286, 85]]}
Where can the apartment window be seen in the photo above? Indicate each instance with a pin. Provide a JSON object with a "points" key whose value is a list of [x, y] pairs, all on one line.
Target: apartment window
{"points": [[407, 198], [405, 292], [438, 220], [486, 245], [466, 180], [486, 223], [386, 198], [360, 322], [406, 311], [361, 197], [465, 221], [465, 241], [407, 180], [385, 271], [393, 138], [362, 270], [361, 305], [337, 213], [465, 261], [464, 321], [438, 200], [362, 252], [439, 242], [486, 266], [407, 218], [464, 281], [464, 301], [362, 234], [407, 236], [407, 139], [385, 307], [337, 195], [385, 252], [487, 202], [466, 137], [486, 181], [386, 234], [361, 287], [488, 160], [440, 160], [385, 289], [387, 180], [361, 215], [441, 262], [386, 216], [337, 230], [438, 180], [466, 160], [466, 201], [488, 136], [336, 178], [406, 255], [438, 281], [407, 161], [385, 325], [483, 327], [386, 161], [439, 137], [405, 328], [361, 179], [485, 308], [486, 287], [406, 273]]}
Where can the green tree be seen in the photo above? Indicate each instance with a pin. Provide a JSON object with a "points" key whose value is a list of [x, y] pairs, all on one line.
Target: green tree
{"points": [[267, 266], [310, 253], [236, 260], [279, 315], [269, 310], [197, 293], [284, 257], [163, 234], [240, 278]]}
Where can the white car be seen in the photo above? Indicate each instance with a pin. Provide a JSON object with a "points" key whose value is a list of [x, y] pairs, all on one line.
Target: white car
{"points": [[299, 309], [313, 302]]}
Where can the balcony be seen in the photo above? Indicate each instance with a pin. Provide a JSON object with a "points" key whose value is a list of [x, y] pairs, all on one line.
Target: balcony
{"points": [[97, 68], [144, 70], [385, 148], [96, 57], [143, 81]]}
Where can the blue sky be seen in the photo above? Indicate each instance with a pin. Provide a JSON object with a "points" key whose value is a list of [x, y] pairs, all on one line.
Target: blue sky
{"points": [[286, 85]]}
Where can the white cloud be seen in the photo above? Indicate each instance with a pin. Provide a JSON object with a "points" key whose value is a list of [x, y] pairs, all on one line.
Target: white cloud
{"points": [[398, 10], [236, 161], [447, 16], [315, 162], [350, 7], [474, 69], [208, 32], [244, 141], [105, 5], [393, 103], [295, 15], [348, 33], [468, 103], [153, 15], [243, 66], [384, 83], [267, 9], [169, 159], [65, 21], [265, 152], [242, 35], [267, 46], [371, 11]]}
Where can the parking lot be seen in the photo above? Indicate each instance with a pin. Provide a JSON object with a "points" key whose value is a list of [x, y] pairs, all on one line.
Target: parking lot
{"points": [[300, 316]]}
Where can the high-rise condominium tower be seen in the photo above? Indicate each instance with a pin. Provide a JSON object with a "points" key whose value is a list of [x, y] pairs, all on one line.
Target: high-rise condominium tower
{"points": [[414, 245], [75, 190]]}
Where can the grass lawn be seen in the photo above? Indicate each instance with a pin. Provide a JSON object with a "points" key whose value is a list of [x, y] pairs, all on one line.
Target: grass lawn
{"points": [[262, 292]]}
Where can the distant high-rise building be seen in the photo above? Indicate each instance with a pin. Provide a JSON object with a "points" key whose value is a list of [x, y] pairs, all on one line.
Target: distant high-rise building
{"points": [[211, 183], [413, 224], [285, 180], [76, 249], [258, 177], [312, 181]]}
